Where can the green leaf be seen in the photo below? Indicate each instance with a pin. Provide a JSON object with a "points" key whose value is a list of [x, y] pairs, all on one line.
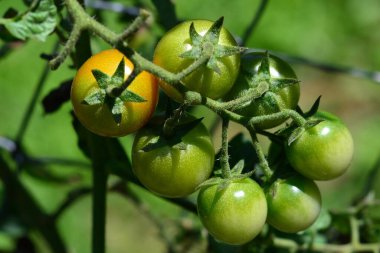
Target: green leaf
{"points": [[312, 123], [212, 63], [295, 135], [223, 51], [129, 96], [314, 108], [101, 78], [213, 33], [35, 24], [280, 83], [117, 110], [155, 143], [195, 37], [118, 76], [238, 168], [264, 66], [210, 182], [95, 98], [194, 53]]}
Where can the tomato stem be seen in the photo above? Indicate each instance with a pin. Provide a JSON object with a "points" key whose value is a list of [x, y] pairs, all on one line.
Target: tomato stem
{"points": [[226, 170], [260, 154]]}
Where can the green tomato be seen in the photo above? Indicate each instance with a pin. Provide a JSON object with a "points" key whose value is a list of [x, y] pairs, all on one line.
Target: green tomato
{"points": [[324, 151], [234, 214], [203, 80], [173, 170], [269, 102], [294, 203]]}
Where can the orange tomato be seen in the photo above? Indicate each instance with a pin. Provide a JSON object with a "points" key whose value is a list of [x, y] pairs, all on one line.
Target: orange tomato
{"points": [[99, 118]]}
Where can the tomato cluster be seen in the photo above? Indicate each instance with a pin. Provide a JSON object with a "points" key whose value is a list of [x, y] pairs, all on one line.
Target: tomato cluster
{"points": [[176, 162]]}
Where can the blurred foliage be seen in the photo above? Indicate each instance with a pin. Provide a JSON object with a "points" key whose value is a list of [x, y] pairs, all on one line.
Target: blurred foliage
{"points": [[342, 32]]}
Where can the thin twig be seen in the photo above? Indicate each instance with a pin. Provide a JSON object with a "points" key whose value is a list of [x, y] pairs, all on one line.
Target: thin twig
{"points": [[256, 18]]}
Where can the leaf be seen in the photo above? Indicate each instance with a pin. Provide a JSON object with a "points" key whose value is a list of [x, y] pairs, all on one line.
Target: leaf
{"points": [[280, 83], [223, 51], [213, 33], [314, 108], [129, 96], [35, 24], [57, 97], [182, 129], [117, 110], [173, 141], [210, 182], [195, 37], [118, 76], [95, 98], [295, 135], [155, 143], [212, 63], [238, 168], [101, 78], [312, 123], [264, 66]]}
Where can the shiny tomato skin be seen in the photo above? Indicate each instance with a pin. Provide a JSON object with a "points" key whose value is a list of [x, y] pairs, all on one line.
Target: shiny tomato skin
{"points": [[294, 203], [234, 214], [323, 152], [204, 80], [168, 170], [98, 118]]}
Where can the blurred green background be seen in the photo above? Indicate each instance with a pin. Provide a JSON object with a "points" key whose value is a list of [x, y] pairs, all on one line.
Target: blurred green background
{"points": [[342, 32]]}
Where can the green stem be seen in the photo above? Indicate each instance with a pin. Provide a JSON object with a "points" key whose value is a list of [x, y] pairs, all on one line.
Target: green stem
{"points": [[67, 49], [354, 225], [226, 170], [192, 67], [135, 25], [32, 104], [99, 209], [284, 114], [255, 21], [260, 154]]}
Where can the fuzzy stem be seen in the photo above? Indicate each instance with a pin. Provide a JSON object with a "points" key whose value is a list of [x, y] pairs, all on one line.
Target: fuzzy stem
{"points": [[260, 154], [226, 170]]}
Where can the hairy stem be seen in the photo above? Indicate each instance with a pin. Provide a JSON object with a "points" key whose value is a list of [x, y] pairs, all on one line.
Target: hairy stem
{"points": [[226, 170], [260, 154]]}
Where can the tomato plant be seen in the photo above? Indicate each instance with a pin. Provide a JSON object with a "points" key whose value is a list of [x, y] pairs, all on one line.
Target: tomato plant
{"points": [[294, 203], [324, 151], [275, 98], [209, 83], [233, 213], [173, 169], [98, 118]]}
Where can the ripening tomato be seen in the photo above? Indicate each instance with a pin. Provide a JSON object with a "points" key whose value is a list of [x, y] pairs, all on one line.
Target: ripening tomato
{"points": [[99, 118], [235, 213], [294, 203], [173, 169], [324, 151], [203, 80]]}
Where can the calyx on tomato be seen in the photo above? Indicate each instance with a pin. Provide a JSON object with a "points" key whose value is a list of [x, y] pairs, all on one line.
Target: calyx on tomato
{"points": [[208, 45], [174, 140], [266, 84], [110, 93]]}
